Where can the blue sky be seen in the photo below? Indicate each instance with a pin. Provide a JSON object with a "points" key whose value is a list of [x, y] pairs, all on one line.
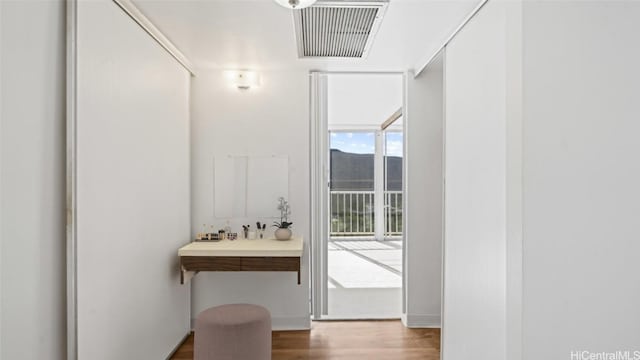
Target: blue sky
{"points": [[364, 142]]}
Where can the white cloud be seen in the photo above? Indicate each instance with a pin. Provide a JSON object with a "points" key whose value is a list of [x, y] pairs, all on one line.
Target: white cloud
{"points": [[394, 148]]}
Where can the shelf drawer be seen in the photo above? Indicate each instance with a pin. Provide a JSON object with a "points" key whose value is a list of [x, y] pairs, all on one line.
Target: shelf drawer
{"points": [[211, 263], [270, 264]]}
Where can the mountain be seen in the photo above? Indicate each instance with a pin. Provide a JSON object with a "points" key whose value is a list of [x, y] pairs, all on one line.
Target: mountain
{"points": [[351, 171]]}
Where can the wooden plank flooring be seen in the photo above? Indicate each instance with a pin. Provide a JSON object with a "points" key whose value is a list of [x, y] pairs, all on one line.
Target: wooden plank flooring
{"points": [[348, 340]]}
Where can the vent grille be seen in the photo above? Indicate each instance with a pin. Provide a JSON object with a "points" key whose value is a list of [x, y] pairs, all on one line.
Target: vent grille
{"points": [[333, 31]]}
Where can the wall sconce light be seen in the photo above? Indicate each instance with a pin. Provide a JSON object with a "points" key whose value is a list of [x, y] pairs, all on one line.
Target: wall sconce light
{"points": [[243, 79]]}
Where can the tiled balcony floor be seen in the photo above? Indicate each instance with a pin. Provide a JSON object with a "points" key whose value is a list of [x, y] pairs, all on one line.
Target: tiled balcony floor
{"points": [[365, 278]]}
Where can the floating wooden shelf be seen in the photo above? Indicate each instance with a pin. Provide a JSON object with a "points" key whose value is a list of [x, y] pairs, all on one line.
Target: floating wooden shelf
{"points": [[241, 255]]}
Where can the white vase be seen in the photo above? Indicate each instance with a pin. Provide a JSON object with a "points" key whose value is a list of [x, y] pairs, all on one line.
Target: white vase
{"points": [[283, 234]]}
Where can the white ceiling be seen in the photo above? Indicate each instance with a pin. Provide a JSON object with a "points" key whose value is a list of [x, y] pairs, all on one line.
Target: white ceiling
{"points": [[259, 34], [357, 101]]}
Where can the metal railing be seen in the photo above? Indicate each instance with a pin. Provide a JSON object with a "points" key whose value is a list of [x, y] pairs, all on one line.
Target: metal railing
{"points": [[353, 213], [393, 213]]}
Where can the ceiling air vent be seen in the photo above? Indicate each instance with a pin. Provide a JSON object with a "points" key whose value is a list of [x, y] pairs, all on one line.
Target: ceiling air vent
{"points": [[338, 29]]}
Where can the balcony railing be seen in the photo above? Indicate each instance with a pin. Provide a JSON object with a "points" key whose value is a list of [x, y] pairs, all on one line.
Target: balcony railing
{"points": [[393, 213], [353, 213]]}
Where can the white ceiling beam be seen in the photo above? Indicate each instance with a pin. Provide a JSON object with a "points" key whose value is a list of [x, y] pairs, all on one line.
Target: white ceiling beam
{"points": [[391, 119]]}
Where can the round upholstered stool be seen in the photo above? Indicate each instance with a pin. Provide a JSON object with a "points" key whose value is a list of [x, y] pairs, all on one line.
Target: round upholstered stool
{"points": [[233, 332]]}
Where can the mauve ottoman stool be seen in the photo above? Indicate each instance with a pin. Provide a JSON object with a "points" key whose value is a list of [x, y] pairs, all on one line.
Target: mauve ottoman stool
{"points": [[233, 332]]}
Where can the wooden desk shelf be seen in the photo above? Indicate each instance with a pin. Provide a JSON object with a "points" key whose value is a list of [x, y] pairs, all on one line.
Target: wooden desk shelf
{"points": [[240, 255]]}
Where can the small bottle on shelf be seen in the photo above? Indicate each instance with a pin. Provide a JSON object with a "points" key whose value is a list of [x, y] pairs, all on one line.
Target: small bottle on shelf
{"points": [[203, 234]]}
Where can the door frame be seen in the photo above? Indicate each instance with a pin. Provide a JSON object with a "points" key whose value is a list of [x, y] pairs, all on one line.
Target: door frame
{"points": [[318, 156], [319, 189]]}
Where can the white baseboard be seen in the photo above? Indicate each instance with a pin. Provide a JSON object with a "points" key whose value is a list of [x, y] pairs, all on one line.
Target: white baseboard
{"points": [[175, 349], [359, 317], [282, 323], [421, 321], [291, 323]]}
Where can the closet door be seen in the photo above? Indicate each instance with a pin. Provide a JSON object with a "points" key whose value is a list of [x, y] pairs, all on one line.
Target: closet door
{"points": [[477, 76], [132, 189]]}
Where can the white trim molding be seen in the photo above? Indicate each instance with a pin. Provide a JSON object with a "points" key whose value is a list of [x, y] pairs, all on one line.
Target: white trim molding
{"points": [[130, 9], [421, 321], [291, 323], [318, 140], [178, 345], [426, 61], [72, 273]]}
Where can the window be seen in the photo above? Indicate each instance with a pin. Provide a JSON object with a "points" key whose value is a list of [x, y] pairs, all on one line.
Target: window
{"points": [[365, 184]]}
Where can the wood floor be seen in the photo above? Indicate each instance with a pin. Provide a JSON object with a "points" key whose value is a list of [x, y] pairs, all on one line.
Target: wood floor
{"points": [[348, 340]]}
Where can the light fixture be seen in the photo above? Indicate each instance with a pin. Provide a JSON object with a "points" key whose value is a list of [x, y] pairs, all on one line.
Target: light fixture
{"points": [[244, 79], [295, 4]]}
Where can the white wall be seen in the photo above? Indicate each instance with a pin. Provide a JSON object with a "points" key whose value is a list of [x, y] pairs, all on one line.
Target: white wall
{"points": [[424, 201], [581, 176], [476, 222], [513, 68], [270, 120], [362, 100], [571, 181], [32, 180], [133, 189]]}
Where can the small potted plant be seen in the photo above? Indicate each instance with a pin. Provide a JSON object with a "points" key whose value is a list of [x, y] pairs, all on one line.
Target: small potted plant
{"points": [[283, 232]]}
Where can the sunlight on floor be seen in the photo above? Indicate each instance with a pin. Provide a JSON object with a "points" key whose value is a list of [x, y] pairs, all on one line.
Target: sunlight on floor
{"points": [[365, 264], [365, 278]]}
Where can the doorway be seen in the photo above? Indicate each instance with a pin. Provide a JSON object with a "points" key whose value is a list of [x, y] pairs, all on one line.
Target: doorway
{"points": [[359, 255]]}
